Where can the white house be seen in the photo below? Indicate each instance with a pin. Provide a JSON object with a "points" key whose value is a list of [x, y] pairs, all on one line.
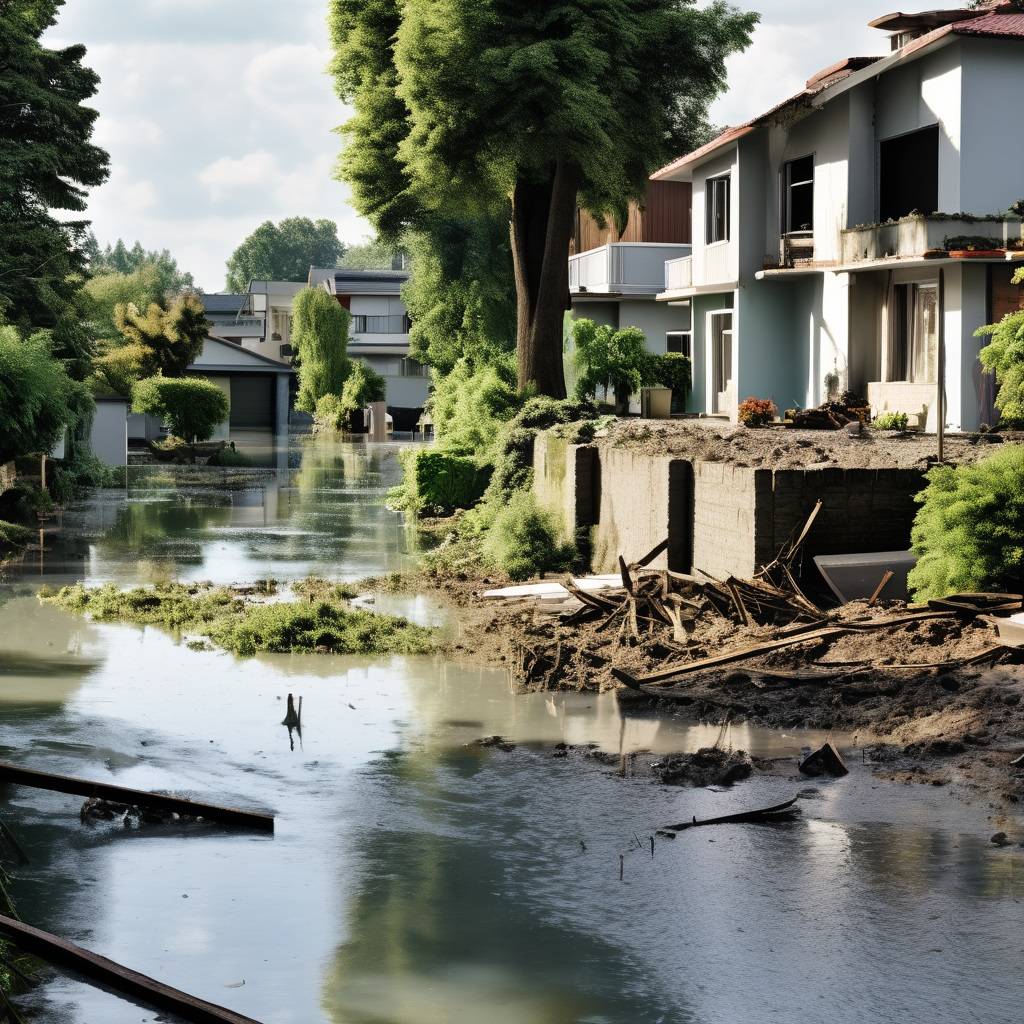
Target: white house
{"points": [[826, 227]]}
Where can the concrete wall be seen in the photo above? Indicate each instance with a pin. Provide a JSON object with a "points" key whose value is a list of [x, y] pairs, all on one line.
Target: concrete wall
{"points": [[655, 319], [992, 151], [109, 437], [565, 483]]}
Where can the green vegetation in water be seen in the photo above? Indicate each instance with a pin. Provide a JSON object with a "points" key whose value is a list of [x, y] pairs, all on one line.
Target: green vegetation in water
{"points": [[314, 588], [322, 622], [13, 538]]}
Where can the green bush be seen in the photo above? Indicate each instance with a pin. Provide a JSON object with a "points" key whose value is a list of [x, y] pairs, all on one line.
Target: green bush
{"points": [[1004, 356], [470, 404], [890, 421], [37, 397], [439, 482], [320, 336], [13, 537], [614, 359], [522, 541], [192, 407], [362, 386], [229, 458], [23, 503], [969, 531], [673, 370]]}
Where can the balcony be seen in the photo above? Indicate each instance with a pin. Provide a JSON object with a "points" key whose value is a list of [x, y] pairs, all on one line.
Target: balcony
{"points": [[679, 274], [236, 326], [917, 236], [622, 268]]}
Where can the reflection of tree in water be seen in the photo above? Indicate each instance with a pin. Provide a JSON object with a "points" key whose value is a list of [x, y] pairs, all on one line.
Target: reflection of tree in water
{"points": [[444, 931], [165, 531]]}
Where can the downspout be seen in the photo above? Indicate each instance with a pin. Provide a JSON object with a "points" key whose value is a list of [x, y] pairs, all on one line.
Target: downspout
{"points": [[940, 398]]}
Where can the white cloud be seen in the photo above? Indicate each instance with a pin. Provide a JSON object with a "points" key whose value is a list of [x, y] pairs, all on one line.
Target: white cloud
{"points": [[114, 133], [230, 174]]}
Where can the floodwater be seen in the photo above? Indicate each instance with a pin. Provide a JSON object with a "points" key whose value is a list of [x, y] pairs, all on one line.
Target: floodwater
{"points": [[416, 879]]}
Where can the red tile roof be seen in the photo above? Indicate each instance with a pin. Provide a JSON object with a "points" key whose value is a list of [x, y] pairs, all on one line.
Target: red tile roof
{"points": [[997, 25]]}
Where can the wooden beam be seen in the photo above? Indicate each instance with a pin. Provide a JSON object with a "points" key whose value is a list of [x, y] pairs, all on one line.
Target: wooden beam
{"points": [[119, 794], [60, 951]]}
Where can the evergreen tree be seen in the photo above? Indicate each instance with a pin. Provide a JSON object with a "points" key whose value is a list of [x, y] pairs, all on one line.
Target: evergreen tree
{"points": [[462, 106], [119, 259], [321, 346], [47, 162]]}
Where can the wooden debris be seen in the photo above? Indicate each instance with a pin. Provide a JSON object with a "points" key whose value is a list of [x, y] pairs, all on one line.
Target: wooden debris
{"points": [[765, 815], [97, 968], [826, 760], [886, 579], [120, 794]]}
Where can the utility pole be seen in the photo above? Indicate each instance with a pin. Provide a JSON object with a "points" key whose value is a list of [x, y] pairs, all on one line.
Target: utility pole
{"points": [[940, 398]]}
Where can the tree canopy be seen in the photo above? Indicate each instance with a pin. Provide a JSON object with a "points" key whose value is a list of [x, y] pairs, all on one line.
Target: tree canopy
{"points": [[191, 406], [284, 252], [47, 162], [464, 105], [119, 259], [320, 336]]}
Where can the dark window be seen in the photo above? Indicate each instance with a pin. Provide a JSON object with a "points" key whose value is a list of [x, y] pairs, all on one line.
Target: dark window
{"points": [[680, 341], [253, 402], [716, 193], [909, 174], [798, 198]]}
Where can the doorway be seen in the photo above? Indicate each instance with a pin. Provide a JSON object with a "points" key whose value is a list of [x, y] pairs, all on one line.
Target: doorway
{"points": [[721, 362]]}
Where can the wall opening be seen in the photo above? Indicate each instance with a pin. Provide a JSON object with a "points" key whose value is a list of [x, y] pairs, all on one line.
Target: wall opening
{"points": [[909, 174]]}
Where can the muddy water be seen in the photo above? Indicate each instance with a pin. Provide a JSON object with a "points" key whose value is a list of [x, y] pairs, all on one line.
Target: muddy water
{"points": [[414, 879]]}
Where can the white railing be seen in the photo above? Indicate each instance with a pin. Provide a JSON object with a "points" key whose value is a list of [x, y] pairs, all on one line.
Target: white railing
{"points": [[623, 268], [679, 274]]}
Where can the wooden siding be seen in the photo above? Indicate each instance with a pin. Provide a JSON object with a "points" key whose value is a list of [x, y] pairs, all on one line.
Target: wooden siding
{"points": [[663, 217], [1003, 296]]}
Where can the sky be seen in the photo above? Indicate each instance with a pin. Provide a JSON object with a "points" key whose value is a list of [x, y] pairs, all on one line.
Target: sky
{"points": [[219, 114]]}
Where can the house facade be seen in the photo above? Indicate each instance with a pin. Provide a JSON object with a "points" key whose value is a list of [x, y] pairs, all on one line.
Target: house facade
{"points": [[837, 237], [616, 275]]}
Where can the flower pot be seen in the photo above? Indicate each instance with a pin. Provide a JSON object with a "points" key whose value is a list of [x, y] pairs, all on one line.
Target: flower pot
{"points": [[977, 254]]}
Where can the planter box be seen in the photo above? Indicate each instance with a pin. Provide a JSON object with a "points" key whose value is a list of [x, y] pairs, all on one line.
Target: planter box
{"points": [[977, 254]]}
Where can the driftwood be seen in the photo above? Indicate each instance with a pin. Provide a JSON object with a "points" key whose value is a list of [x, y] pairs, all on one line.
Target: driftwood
{"points": [[120, 794], [764, 815], [60, 951]]}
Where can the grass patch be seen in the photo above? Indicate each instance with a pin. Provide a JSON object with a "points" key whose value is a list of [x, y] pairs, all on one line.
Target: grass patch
{"points": [[321, 621], [314, 588]]}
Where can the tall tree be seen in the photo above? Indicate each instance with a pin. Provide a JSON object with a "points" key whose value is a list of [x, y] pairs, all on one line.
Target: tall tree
{"points": [[462, 106], [119, 259], [47, 162], [320, 336], [284, 252]]}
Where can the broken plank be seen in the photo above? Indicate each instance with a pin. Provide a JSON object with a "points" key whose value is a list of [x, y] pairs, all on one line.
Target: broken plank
{"points": [[779, 812], [652, 555], [60, 951], [120, 794], [627, 581]]}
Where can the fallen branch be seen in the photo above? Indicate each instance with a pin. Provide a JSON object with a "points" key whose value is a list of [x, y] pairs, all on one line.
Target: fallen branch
{"points": [[779, 812], [56, 950], [120, 794]]}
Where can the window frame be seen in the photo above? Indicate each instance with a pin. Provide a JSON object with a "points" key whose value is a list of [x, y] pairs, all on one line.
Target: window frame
{"points": [[788, 185], [713, 208]]}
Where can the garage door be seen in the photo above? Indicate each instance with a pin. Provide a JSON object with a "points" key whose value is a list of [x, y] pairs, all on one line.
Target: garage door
{"points": [[252, 402]]}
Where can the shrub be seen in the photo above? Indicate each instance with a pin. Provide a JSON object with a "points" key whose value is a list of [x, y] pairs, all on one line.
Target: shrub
{"points": [[191, 406], [37, 397], [1004, 356], [757, 412], [969, 532], [617, 360], [23, 502], [675, 371], [162, 340], [470, 404], [320, 337], [890, 421], [362, 386], [13, 537], [523, 543], [229, 458], [439, 482]]}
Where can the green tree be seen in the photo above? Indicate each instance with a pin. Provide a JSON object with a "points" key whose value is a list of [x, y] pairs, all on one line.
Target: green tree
{"points": [[373, 254], [969, 531], [617, 360], [1004, 356], [119, 259], [102, 294], [47, 162], [320, 337], [362, 386], [191, 406], [284, 252], [37, 397], [464, 105]]}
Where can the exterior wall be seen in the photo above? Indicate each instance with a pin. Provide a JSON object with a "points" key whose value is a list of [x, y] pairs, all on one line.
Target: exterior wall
{"points": [[922, 93], [992, 151], [702, 305], [718, 263], [966, 310], [866, 300], [655, 319], [223, 430], [109, 436], [860, 197], [565, 483]]}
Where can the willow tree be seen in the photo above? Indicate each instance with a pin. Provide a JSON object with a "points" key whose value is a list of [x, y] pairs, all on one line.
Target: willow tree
{"points": [[472, 106], [320, 336]]}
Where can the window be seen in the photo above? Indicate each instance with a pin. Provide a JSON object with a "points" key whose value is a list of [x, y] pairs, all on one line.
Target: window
{"points": [[680, 341], [412, 368], [281, 321], [914, 334], [909, 174], [716, 198], [798, 195], [397, 323]]}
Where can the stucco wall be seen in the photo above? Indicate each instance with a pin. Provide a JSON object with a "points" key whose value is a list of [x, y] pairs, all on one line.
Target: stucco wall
{"points": [[718, 263], [655, 319], [109, 436]]}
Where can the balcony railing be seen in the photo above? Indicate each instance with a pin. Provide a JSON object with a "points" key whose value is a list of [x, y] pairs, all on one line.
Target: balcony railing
{"points": [[679, 274], [913, 236], [622, 268]]}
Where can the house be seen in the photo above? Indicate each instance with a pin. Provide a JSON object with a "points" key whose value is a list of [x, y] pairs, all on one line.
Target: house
{"points": [[615, 276], [830, 231], [380, 334]]}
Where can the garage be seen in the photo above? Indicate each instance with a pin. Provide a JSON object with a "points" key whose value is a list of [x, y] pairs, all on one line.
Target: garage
{"points": [[252, 402]]}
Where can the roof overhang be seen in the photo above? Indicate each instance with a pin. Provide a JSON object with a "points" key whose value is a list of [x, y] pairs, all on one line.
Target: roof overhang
{"points": [[900, 22], [680, 294]]}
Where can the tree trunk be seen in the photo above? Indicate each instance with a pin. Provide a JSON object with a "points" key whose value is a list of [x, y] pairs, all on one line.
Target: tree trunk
{"points": [[542, 223]]}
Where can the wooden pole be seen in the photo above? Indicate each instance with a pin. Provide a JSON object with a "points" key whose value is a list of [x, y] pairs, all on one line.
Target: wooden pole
{"points": [[56, 950], [120, 794], [940, 398]]}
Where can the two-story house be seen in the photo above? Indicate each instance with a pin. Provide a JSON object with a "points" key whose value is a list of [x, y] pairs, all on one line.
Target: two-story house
{"points": [[616, 275], [861, 230]]}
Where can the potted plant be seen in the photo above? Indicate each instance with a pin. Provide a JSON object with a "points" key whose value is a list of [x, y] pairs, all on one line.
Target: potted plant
{"points": [[974, 247]]}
